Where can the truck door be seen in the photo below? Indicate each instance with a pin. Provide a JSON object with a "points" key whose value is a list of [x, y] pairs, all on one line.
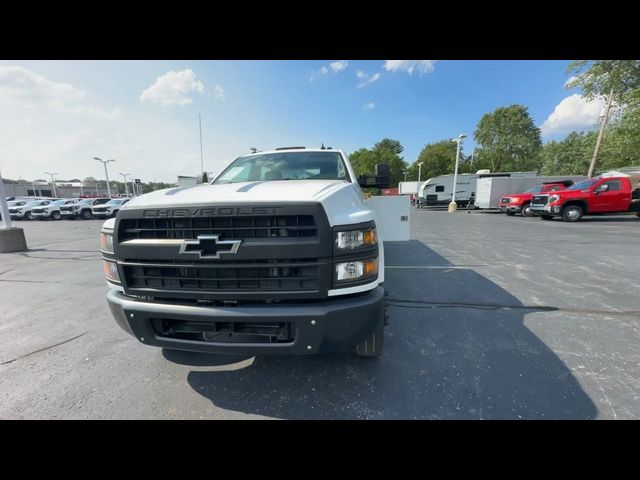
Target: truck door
{"points": [[609, 196]]}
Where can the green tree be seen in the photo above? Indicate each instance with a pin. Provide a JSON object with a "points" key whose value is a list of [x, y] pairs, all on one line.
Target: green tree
{"points": [[600, 77], [437, 158], [385, 151], [509, 140]]}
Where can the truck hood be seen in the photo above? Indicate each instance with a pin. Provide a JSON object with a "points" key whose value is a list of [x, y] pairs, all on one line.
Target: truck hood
{"points": [[238, 193]]}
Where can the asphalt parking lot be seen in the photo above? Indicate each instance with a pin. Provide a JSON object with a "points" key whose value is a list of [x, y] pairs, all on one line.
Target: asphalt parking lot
{"points": [[492, 317]]}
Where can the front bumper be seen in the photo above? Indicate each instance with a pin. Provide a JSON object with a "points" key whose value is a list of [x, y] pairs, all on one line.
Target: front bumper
{"points": [[510, 208], [552, 210], [68, 213], [333, 324], [16, 216], [101, 214], [40, 215]]}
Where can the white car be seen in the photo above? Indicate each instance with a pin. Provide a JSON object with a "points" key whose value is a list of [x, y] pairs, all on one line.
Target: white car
{"points": [[81, 208], [52, 210], [109, 209], [23, 209]]}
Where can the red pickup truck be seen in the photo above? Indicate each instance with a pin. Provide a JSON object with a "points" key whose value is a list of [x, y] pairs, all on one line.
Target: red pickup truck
{"points": [[599, 195], [513, 203]]}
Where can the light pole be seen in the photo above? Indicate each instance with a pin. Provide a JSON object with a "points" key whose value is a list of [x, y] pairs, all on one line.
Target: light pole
{"points": [[106, 174], [453, 205], [126, 187], [53, 182], [405, 175], [419, 171]]}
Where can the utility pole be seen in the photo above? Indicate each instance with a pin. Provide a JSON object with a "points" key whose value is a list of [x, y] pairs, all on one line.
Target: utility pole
{"points": [[53, 182], [106, 174], [405, 175], [453, 206], [201, 156], [600, 133]]}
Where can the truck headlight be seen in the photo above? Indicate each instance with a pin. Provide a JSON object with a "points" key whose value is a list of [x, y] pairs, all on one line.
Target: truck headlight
{"points": [[554, 198], [106, 241], [514, 200], [356, 238], [111, 270], [356, 270]]}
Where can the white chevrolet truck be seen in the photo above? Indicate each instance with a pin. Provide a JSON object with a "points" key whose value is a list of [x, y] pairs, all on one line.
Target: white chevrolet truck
{"points": [[280, 253]]}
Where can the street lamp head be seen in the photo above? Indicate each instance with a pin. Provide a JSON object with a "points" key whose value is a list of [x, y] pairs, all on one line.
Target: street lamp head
{"points": [[97, 158]]}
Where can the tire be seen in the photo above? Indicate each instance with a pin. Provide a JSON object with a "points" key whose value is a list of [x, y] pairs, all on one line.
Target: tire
{"points": [[372, 346], [546, 217], [115, 212], [572, 213], [510, 213], [87, 215], [526, 210], [28, 216], [56, 215]]}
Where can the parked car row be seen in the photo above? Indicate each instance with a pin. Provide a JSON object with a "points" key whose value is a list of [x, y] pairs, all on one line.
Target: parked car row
{"points": [[604, 194], [69, 208]]}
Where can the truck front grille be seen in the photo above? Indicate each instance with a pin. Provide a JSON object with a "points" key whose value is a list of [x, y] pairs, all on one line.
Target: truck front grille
{"points": [[265, 275], [539, 199], [227, 227]]}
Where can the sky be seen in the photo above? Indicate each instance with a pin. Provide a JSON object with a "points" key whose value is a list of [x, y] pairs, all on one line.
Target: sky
{"points": [[55, 116]]}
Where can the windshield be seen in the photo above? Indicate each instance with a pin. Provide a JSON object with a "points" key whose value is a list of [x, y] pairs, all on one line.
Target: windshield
{"points": [[86, 200], [114, 202], [35, 203], [58, 202], [285, 166], [19, 203], [536, 189], [585, 184]]}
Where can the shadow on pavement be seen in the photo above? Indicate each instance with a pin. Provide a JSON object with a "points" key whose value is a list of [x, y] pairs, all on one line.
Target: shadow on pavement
{"points": [[441, 360]]}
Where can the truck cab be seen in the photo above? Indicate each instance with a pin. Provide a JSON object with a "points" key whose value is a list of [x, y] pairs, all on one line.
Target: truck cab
{"points": [[596, 196], [513, 203], [277, 254]]}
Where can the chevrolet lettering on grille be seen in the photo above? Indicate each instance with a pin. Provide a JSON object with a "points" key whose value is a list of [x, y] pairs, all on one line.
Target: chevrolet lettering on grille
{"points": [[209, 246]]}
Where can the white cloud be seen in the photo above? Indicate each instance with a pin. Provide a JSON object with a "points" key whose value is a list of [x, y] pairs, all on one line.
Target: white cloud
{"points": [[173, 88], [339, 65], [335, 67], [573, 113], [218, 93], [369, 106], [421, 66], [366, 78], [21, 86]]}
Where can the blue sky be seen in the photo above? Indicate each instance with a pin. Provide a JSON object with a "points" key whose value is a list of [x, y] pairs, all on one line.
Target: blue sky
{"points": [[57, 115]]}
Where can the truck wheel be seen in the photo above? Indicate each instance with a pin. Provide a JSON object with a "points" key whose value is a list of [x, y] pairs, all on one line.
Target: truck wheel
{"points": [[28, 216], [526, 210], [372, 346], [113, 215], [572, 213], [86, 214], [510, 213], [546, 217], [56, 215]]}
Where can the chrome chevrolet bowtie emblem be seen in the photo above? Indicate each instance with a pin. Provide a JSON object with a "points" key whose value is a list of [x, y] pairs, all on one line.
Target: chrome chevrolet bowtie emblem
{"points": [[209, 246]]}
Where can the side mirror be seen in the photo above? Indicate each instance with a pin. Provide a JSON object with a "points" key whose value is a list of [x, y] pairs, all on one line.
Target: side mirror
{"points": [[381, 179]]}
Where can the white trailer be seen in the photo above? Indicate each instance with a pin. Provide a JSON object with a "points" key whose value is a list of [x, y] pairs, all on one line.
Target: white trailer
{"points": [[408, 188], [439, 190], [490, 189]]}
